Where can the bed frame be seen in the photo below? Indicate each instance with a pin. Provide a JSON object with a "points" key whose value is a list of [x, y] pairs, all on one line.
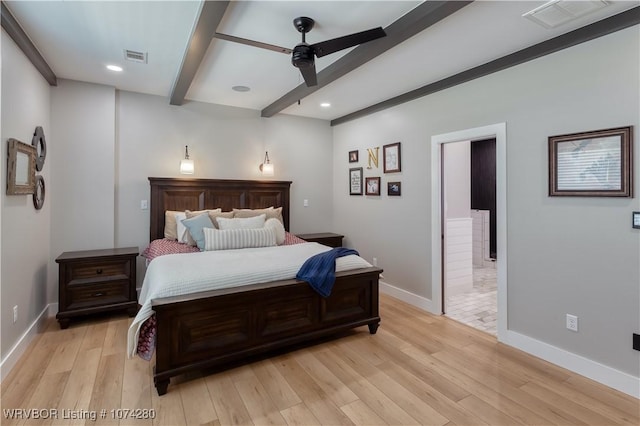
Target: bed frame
{"points": [[219, 327]]}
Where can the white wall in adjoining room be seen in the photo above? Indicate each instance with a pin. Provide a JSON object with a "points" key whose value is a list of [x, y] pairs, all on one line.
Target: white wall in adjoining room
{"points": [[457, 179], [225, 143], [575, 255], [25, 257]]}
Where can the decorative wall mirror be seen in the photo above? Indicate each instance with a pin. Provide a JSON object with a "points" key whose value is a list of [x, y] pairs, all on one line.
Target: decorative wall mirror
{"points": [[21, 168]]}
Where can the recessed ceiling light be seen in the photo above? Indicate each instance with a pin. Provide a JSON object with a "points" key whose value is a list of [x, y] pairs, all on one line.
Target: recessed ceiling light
{"points": [[241, 88], [114, 68], [325, 105]]}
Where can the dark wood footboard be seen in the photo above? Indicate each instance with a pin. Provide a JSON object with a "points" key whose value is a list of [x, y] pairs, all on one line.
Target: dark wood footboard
{"points": [[215, 328]]}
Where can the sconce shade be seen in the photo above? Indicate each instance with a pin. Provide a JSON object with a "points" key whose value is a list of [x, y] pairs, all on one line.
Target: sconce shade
{"points": [[186, 166], [267, 167]]}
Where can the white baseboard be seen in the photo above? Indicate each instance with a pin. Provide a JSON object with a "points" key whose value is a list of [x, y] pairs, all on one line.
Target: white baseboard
{"points": [[9, 361], [603, 374], [606, 375], [410, 298]]}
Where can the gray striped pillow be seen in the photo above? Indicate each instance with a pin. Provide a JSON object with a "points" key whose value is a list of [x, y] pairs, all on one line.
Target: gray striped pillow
{"points": [[227, 239]]}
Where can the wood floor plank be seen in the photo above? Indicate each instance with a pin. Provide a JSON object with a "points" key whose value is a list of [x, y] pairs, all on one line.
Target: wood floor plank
{"points": [[299, 415], [487, 413], [377, 400], [309, 391], [196, 402], [107, 389], [226, 400], [259, 405], [67, 347], [281, 393], [337, 391], [46, 396], [113, 341], [79, 387], [361, 414], [137, 387], [613, 398], [168, 409], [565, 404]]}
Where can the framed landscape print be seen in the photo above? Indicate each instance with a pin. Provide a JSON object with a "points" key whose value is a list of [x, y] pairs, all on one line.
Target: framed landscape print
{"points": [[592, 164], [355, 181], [391, 158], [372, 185]]}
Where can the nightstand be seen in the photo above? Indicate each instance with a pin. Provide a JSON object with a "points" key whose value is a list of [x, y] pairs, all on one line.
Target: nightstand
{"points": [[96, 281], [326, 238]]}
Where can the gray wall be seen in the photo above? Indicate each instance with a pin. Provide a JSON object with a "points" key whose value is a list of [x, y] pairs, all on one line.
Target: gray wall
{"points": [[566, 255], [25, 256]]}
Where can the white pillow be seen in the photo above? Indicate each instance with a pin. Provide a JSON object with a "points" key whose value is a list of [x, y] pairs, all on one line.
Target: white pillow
{"points": [[278, 227], [228, 239], [241, 223], [182, 232]]}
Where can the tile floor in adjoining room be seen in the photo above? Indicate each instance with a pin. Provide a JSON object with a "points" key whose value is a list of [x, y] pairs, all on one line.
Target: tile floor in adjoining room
{"points": [[477, 307]]}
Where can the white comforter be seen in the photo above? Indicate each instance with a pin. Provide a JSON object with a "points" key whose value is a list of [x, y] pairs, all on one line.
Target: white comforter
{"points": [[185, 273]]}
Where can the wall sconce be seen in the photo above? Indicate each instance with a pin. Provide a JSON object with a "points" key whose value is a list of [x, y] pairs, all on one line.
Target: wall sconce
{"points": [[267, 167], [186, 165]]}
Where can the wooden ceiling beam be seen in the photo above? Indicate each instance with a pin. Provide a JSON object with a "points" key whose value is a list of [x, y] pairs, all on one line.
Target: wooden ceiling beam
{"points": [[15, 31], [418, 19], [210, 16]]}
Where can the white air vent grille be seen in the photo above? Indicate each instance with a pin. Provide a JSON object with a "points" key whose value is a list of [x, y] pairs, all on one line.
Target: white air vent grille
{"points": [[558, 12], [132, 55]]}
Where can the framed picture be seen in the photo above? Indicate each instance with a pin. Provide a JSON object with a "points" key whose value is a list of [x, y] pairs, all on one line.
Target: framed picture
{"points": [[353, 156], [391, 158], [394, 188], [592, 164], [21, 168], [355, 181], [636, 220], [372, 185]]}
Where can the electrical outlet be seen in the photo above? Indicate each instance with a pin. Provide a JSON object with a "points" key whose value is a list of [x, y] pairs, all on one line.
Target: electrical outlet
{"points": [[375, 261], [15, 314], [305, 203], [144, 205], [572, 322]]}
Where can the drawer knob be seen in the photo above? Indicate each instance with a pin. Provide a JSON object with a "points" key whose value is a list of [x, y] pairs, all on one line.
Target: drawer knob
{"points": [[98, 294], [99, 271]]}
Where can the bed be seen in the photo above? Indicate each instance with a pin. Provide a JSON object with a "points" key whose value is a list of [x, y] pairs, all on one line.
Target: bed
{"points": [[215, 328]]}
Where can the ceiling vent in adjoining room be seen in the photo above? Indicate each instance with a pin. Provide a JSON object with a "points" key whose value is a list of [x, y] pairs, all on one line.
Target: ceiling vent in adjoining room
{"points": [[132, 55], [557, 12]]}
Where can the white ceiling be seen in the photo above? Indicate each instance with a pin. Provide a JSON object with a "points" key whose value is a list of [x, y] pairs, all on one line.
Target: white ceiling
{"points": [[79, 38]]}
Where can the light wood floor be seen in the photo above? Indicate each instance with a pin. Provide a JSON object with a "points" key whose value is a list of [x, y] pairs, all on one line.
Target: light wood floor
{"points": [[418, 369]]}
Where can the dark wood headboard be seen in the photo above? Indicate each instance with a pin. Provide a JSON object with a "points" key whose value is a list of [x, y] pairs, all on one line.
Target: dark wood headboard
{"points": [[181, 194]]}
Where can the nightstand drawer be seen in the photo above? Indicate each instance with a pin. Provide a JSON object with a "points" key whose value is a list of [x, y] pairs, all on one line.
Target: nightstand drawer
{"points": [[98, 270], [97, 294]]}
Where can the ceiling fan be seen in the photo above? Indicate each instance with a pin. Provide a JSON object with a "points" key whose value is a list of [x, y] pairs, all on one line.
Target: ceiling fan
{"points": [[304, 54]]}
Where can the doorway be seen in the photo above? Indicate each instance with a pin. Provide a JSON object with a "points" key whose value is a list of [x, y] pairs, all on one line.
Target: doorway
{"points": [[469, 243], [497, 131]]}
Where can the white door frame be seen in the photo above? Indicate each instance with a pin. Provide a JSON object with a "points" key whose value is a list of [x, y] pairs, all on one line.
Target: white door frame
{"points": [[499, 132]]}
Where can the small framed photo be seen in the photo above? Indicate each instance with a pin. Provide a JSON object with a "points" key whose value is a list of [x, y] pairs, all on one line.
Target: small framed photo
{"points": [[372, 185], [592, 164], [355, 181], [391, 158], [353, 156], [394, 189], [636, 220]]}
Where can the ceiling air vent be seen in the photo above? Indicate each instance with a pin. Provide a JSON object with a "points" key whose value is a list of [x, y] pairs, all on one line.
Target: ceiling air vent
{"points": [[557, 12], [132, 55]]}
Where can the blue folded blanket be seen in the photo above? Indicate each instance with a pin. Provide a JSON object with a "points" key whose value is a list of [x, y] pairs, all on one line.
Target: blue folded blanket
{"points": [[320, 270]]}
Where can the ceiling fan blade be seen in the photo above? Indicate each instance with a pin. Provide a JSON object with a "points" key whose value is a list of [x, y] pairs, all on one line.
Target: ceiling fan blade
{"points": [[331, 46], [309, 75], [253, 43]]}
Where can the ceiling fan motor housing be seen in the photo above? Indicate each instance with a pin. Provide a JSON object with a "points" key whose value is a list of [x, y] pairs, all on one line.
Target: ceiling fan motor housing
{"points": [[302, 56]]}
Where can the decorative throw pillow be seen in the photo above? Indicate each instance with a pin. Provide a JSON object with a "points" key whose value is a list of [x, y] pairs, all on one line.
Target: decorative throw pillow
{"points": [[170, 225], [188, 239], [270, 212], [278, 228], [241, 223], [214, 217], [229, 239], [195, 226]]}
